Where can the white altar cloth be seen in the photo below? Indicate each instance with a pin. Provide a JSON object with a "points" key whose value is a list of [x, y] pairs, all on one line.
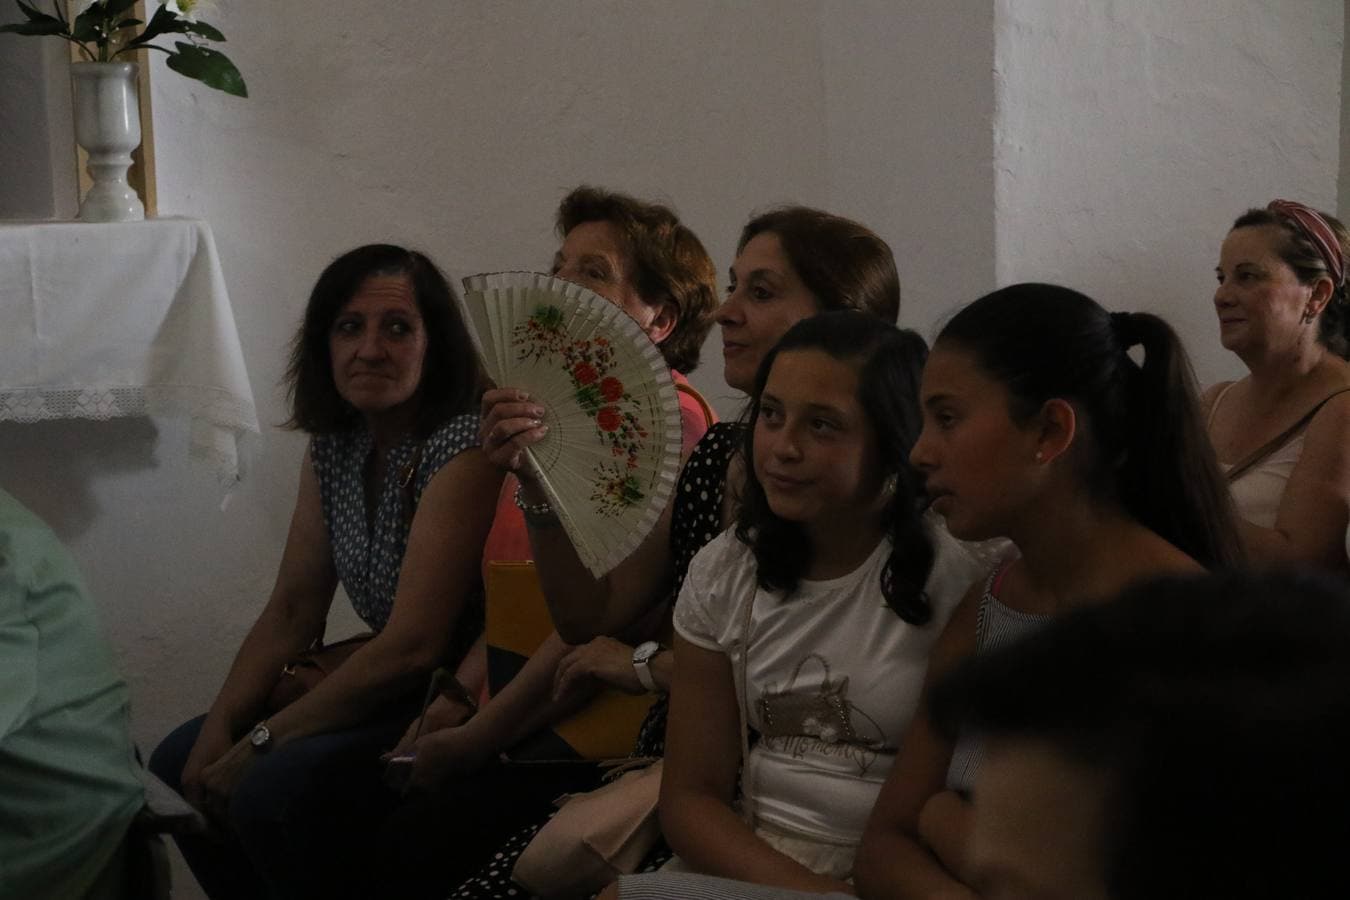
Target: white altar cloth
{"points": [[105, 320]]}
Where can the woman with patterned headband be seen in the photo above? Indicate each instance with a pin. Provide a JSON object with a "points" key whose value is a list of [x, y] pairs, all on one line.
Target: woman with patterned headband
{"points": [[1283, 432]]}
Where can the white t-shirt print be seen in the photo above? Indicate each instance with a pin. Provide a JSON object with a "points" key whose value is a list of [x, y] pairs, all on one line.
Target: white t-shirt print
{"points": [[834, 676]]}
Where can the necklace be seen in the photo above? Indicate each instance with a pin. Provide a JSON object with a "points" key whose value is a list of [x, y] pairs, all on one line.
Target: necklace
{"points": [[409, 469]]}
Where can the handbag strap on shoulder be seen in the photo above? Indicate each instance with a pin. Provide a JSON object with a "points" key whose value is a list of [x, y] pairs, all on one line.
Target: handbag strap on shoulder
{"points": [[407, 482], [1260, 454], [709, 417], [747, 799]]}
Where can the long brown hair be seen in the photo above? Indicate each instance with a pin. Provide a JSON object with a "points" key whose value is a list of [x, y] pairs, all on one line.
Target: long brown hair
{"points": [[889, 362]]}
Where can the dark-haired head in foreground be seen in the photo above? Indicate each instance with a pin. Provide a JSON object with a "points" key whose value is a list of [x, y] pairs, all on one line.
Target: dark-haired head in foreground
{"points": [[1187, 740]]}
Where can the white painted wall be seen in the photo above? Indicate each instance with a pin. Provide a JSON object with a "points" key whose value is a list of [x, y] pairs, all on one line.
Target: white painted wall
{"points": [[909, 109], [1131, 134], [456, 127], [37, 149], [1128, 135], [1343, 199]]}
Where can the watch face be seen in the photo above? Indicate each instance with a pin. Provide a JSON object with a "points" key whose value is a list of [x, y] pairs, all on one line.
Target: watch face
{"points": [[646, 651], [261, 735]]}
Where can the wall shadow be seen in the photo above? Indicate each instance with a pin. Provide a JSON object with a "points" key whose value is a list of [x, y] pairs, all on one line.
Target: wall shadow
{"points": [[51, 467]]}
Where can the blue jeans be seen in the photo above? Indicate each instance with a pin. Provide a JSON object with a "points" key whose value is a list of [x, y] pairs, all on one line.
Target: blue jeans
{"points": [[302, 820]]}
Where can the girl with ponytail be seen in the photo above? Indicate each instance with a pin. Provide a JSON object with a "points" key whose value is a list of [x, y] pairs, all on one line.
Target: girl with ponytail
{"points": [[1074, 432], [1283, 432]]}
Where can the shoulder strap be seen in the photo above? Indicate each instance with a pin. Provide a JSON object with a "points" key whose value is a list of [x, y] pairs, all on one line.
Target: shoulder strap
{"points": [[709, 417], [991, 586], [1259, 455], [407, 478], [747, 798], [1214, 405]]}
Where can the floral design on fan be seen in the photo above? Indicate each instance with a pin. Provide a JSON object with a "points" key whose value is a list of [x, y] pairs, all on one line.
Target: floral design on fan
{"points": [[615, 489], [589, 363]]}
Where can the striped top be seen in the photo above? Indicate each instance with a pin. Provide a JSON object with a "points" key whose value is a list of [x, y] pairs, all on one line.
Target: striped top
{"points": [[996, 626], [665, 884]]}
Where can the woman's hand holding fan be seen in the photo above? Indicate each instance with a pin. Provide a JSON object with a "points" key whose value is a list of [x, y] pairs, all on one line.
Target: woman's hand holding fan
{"points": [[511, 422], [606, 451]]}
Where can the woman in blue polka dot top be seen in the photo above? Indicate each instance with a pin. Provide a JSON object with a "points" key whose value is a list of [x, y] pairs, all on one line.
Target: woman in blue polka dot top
{"points": [[395, 501]]}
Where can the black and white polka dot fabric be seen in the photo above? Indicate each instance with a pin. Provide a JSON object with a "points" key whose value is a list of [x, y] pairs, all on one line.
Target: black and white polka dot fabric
{"points": [[695, 520], [368, 559]]}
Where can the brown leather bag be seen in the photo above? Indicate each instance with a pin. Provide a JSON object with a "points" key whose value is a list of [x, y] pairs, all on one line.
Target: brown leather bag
{"points": [[302, 674]]}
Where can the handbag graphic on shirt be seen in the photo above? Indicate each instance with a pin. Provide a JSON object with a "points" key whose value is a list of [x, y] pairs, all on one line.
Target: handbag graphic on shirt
{"points": [[822, 711]]}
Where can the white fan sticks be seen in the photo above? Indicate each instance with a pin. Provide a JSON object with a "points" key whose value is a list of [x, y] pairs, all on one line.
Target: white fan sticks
{"points": [[610, 459]]}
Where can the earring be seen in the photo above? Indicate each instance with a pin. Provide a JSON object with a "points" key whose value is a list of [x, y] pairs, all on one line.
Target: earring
{"points": [[891, 484], [1308, 315], [1040, 457]]}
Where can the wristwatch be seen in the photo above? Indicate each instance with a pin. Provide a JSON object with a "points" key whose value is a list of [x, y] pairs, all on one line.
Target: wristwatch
{"points": [[260, 738], [643, 654]]}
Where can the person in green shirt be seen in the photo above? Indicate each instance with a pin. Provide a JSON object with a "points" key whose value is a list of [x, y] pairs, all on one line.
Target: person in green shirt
{"points": [[69, 780]]}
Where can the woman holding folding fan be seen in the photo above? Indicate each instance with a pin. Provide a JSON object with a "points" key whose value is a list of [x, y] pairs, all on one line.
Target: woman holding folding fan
{"points": [[639, 256], [791, 263]]}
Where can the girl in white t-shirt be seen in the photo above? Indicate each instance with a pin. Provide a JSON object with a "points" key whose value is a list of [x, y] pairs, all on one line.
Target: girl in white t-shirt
{"points": [[812, 620]]}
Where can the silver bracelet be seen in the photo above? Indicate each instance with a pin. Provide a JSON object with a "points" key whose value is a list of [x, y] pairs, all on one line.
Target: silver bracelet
{"points": [[538, 514]]}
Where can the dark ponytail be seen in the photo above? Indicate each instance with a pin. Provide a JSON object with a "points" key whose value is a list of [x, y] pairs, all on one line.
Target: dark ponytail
{"points": [[1143, 443], [1168, 477], [890, 361]]}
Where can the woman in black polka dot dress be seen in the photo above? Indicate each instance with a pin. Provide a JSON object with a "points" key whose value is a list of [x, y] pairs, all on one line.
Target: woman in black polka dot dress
{"points": [[791, 263]]}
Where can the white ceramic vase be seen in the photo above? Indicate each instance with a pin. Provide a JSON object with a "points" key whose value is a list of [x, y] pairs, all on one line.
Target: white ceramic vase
{"points": [[108, 127]]}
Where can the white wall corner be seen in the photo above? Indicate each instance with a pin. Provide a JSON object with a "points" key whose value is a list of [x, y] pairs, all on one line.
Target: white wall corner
{"points": [[36, 135], [1343, 182], [1130, 135]]}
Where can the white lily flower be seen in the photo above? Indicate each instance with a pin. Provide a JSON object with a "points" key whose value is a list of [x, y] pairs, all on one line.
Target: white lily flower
{"points": [[189, 10]]}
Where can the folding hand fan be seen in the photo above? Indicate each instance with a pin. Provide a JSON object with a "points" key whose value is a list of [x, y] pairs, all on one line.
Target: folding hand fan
{"points": [[612, 453]]}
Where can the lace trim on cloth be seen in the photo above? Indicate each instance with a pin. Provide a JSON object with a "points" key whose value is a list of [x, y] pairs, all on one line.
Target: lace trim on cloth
{"points": [[218, 418]]}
